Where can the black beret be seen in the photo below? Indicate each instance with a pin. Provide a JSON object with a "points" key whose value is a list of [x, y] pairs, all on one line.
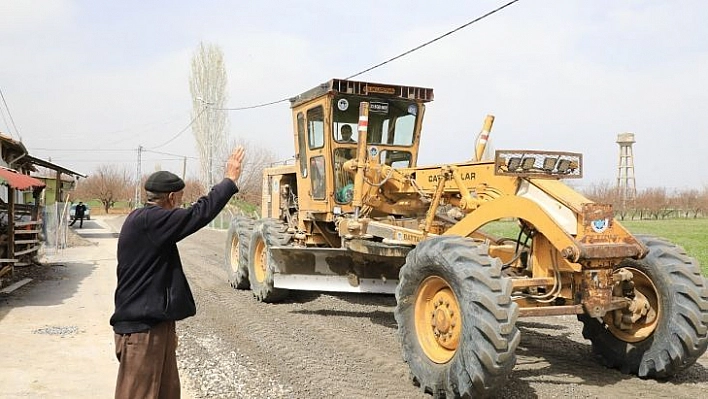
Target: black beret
{"points": [[163, 182]]}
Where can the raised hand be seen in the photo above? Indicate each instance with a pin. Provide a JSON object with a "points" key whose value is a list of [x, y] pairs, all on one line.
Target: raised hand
{"points": [[233, 165]]}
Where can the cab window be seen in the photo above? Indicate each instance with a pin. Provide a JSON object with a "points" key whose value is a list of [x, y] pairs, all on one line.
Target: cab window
{"points": [[391, 122], [315, 127], [301, 144], [343, 180], [396, 159], [317, 177]]}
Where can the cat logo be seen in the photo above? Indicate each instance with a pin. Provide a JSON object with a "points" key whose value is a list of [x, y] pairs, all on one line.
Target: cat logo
{"points": [[464, 176]]}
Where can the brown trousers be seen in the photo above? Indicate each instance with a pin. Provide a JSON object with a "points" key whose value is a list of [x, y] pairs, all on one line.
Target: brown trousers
{"points": [[148, 364]]}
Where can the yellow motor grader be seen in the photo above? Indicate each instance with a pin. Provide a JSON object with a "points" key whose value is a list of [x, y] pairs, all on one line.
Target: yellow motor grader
{"points": [[356, 213]]}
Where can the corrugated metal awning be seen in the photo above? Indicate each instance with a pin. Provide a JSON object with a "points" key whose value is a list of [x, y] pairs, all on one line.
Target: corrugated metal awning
{"points": [[17, 180], [52, 166]]}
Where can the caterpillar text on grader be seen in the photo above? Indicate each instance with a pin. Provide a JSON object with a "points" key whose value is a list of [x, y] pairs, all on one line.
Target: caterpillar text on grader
{"points": [[361, 216]]}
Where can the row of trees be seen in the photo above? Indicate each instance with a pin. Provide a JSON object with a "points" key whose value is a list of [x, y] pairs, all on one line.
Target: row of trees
{"points": [[110, 184], [652, 203]]}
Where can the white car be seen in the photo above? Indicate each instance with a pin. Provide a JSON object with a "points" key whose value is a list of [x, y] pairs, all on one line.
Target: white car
{"points": [[72, 211]]}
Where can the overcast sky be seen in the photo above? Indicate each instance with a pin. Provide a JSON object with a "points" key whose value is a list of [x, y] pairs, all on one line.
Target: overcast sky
{"points": [[87, 82]]}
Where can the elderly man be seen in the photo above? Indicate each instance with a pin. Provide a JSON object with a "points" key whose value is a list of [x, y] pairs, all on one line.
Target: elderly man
{"points": [[152, 291]]}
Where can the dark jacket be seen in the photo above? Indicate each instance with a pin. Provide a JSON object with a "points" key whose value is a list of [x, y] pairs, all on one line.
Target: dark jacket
{"points": [[152, 286], [80, 210]]}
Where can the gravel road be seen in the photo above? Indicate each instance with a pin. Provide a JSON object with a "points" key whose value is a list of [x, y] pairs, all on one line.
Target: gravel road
{"points": [[314, 345], [317, 345]]}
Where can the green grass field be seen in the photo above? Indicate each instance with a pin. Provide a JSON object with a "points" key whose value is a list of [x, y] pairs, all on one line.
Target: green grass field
{"points": [[691, 234]]}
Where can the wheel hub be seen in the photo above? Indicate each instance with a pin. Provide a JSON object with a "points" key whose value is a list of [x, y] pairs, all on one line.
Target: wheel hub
{"points": [[234, 255], [438, 324], [260, 262], [445, 319], [637, 321]]}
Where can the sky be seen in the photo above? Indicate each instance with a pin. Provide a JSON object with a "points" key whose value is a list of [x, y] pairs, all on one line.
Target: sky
{"points": [[87, 82]]}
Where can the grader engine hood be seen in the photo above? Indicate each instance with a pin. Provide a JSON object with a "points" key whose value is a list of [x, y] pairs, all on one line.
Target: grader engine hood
{"points": [[596, 233], [602, 237]]}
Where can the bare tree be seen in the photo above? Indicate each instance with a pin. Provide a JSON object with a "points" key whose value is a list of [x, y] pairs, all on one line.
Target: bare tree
{"points": [[688, 201], [703, 199], [207, 85], [193, 189], [605, 192], [250, 183], [109, 184], [654, 202]]}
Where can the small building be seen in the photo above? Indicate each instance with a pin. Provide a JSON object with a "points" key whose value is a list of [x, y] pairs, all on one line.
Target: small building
{"points": [[58, 179], [66, 183], [21, 221]]}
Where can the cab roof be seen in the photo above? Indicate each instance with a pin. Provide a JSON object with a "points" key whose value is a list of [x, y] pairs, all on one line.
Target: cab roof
{"points": [[366, 89]]}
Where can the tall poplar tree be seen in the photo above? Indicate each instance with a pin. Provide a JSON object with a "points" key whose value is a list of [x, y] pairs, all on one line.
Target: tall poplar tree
{"points": [[207, 84]]}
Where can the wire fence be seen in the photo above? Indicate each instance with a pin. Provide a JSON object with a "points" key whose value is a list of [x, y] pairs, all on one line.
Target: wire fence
{"points": [[55, 227], [55, 224], [223, 220]]}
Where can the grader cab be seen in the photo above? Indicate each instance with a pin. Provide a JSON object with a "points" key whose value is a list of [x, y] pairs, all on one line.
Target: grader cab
{"points": [[355, 213]]}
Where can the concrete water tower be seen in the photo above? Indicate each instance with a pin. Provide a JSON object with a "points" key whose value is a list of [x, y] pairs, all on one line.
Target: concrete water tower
{"points": [[626, 185]]}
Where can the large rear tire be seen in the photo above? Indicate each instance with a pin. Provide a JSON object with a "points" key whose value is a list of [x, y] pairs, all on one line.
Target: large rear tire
{"points": [[236, 258], [266, 234], [456, 319], [674, 333]]}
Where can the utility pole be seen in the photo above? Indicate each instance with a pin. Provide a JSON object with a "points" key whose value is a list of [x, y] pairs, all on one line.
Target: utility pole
{"points": [[184, 168], [138, 176]]}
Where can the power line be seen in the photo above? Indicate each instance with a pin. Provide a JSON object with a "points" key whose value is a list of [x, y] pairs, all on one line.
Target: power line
{"points": [[179, 156], [167, 153], [288, 98], [7, 125], [140, 129], [434, 40], [104, 160], [389, 60], [253, 106], [81, 149], [181, 131], [10, 115], [281, 100]]}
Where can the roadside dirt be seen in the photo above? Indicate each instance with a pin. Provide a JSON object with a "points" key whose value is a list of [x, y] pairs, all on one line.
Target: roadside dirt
{"points": [[57, 342], [345, 345]]}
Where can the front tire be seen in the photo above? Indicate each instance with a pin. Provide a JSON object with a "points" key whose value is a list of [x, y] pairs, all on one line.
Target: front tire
{"points": [[236, 257], [266, 234], [674, 333], [456, 319]]}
